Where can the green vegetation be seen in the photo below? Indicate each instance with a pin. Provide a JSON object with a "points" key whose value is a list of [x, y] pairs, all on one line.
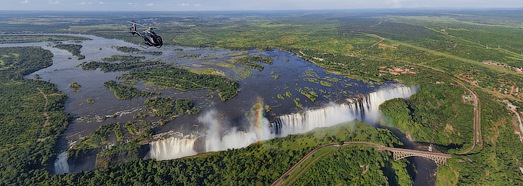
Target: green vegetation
{"points": [[38, 38], [123, 58], [355, 166], [75, 86], [188, 55], [113, 67], [277, 156], [182, 79], [135, 50], [136, 132], [124, 92], [243, 73], [73, 48], [358, 47], [274, 75], [297, 102], [121, 153], [252, 61], [169, 106], [126, 63], [97, 139], [433, 109], [434, 47], [31, 117], [19, 61], [89, 101], [309, 93], [325, 84], [288, 94]]}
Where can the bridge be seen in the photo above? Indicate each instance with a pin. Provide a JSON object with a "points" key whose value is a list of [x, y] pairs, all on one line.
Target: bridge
{"points": [[399, 153], [438, 158]]}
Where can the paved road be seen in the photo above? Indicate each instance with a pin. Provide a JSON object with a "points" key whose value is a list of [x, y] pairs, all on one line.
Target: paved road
{"points": [[477, 119]]}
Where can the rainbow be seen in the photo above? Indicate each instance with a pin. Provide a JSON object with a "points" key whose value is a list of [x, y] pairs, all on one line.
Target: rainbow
{"points": [[258, 118]]}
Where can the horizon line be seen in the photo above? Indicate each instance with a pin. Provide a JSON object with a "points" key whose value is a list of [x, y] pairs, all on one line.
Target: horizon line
{"points": [[253, 10]]}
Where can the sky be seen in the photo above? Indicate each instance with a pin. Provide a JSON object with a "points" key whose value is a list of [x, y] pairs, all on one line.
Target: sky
{"points": [[191, 5]]}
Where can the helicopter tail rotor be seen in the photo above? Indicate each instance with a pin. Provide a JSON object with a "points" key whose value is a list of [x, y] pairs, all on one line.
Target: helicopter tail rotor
{"points": [[132, 30]]}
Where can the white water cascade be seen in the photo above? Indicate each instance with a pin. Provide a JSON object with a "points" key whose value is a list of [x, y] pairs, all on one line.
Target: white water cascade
{"points": [[365, 109], [60, 165], [172, 148]]}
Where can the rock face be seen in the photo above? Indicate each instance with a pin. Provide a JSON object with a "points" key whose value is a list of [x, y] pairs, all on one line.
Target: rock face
{"points": [[104, 160]]}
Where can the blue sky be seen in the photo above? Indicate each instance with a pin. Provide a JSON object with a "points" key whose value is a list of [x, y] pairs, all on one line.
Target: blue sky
{"points": [[185, 5]]}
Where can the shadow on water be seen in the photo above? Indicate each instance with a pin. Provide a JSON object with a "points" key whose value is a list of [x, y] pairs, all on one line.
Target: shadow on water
{"points": [[422, 170], [442, 147]]}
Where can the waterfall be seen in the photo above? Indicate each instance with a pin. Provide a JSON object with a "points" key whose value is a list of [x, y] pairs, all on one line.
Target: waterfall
{"points": [[172, 148], [364, 109], [60, 165]]}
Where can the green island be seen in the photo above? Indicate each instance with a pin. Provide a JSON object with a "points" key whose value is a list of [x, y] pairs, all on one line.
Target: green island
{"points": [[183, 79], [252, 61], [136, 50], [113, 67], [123, 58], [124, 92], [73, 48], [169, 106], [74, 85], [125, 63]]}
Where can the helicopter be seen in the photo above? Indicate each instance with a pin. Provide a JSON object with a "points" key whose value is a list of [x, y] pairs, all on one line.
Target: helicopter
{"points": [[149, 36]]}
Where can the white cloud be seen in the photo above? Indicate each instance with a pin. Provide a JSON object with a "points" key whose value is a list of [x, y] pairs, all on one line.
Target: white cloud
{"points": [[131, 4], [25, 2], [183, 4], [197, 4], [101, 3], [54, 2], [395, 3], [150, 4]]}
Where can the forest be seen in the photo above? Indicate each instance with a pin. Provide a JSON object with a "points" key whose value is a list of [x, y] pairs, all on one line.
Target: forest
{"points": [[26, 144]]}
